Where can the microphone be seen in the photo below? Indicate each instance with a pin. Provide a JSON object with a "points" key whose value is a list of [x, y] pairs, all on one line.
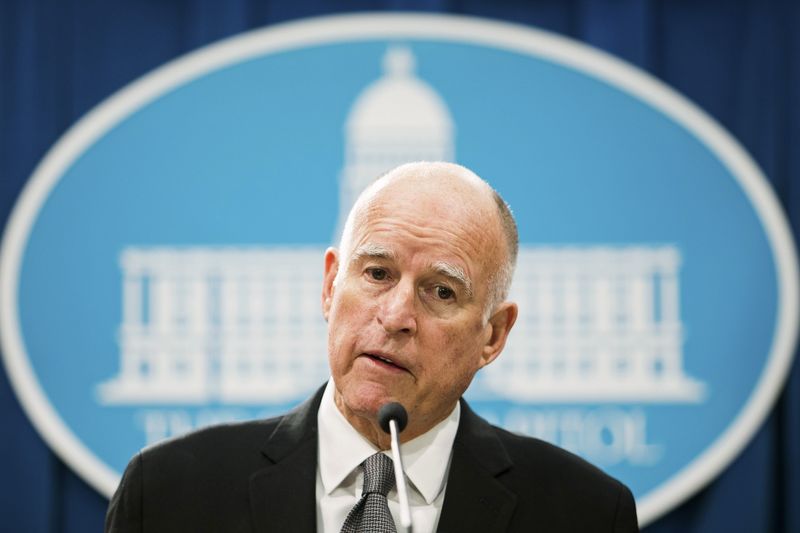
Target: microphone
{"points": [[393, 419], [392, 411]]}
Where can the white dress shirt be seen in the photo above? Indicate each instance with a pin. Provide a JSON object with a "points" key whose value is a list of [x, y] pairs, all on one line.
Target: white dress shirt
{"points": [[341, 449]]}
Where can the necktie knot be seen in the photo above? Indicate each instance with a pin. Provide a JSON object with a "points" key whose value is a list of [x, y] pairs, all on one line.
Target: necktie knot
{"points": [[371, 513], [378, 474]]}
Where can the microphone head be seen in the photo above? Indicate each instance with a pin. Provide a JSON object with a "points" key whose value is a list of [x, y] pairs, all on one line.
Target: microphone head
{"points": [[392, 411]]}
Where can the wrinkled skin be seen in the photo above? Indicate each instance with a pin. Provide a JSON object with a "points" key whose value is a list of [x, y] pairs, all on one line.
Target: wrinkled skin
{"points": [[406, 311]]}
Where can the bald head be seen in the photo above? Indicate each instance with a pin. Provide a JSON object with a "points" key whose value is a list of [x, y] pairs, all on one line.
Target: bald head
{"points": [[458, 189]]}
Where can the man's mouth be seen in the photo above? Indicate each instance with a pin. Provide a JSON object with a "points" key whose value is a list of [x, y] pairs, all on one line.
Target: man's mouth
{"points": [[383, 360]]}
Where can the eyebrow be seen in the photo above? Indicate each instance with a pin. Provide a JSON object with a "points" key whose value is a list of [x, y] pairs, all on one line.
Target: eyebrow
{"points": [[455, 273], [372, 251]]}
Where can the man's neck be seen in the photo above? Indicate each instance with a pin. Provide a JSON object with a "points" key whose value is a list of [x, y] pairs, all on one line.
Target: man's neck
{"points": [[371, 430], [368, 428]]}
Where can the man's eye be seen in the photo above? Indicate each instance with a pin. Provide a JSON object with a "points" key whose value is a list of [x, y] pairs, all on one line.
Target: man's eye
{"points": [[444, 293], [377, 274]]}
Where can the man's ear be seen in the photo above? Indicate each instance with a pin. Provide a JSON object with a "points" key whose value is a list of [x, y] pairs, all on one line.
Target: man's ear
{"points": [[331, 268], [500, 324]]}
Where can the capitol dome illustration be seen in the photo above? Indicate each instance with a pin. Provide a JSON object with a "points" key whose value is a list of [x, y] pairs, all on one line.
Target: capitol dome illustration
{"points": [[396, 119]]}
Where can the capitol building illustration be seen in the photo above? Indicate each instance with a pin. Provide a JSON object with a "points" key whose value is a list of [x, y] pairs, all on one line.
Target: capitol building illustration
{"points": [[243, 325]]}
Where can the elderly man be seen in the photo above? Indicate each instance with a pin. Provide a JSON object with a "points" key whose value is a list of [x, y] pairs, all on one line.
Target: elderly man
{"points": [[415, 303]]}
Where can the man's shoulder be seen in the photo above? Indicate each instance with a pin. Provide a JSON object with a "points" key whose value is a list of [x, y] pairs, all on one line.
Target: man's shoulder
{"points": [[549, 486], [530, 454], [167, 482], [523, 458]]}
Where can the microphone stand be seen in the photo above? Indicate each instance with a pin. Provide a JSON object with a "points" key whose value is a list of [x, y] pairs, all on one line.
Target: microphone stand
{"points": [[400, 478]]}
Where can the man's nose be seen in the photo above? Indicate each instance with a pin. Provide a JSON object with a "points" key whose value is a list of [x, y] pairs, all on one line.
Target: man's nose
{"points": [[397, 310]]}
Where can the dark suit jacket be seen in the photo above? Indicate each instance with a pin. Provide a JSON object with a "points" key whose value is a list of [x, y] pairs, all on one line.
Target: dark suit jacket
{"points": [[261, 476]]}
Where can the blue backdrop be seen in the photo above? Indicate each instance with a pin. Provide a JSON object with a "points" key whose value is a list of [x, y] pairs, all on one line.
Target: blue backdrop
{"points": [[738, 60]]}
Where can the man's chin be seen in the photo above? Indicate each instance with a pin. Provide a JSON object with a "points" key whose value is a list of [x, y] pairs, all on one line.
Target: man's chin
{"points": [[365, 401]]}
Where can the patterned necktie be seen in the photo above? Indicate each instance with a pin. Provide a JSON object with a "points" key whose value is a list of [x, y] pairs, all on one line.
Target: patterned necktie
{"points": [[371, 513]]}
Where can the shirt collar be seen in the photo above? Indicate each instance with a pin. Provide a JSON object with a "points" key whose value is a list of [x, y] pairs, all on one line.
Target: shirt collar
{"points": [[342, 449]]}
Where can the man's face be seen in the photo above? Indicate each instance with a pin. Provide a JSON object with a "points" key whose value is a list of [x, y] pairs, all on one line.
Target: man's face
{"points": [[406, 314]]}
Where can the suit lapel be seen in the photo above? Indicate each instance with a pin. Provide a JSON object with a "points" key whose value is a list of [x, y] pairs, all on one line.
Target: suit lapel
{"points": [[474, 499], [283, 495]]}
